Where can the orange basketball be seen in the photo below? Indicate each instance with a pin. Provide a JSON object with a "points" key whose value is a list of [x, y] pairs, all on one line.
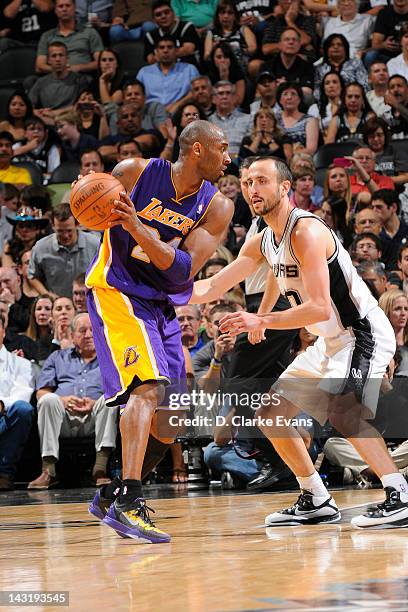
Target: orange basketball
{"points": [[92, 199]]}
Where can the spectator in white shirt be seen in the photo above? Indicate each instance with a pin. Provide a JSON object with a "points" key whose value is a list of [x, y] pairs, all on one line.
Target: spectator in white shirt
{"points": [[399, 64], [16, 388], [355, 27]]}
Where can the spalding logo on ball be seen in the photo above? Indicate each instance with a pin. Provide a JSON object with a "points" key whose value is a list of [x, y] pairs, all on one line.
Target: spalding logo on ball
{"points": [[92, 199]]}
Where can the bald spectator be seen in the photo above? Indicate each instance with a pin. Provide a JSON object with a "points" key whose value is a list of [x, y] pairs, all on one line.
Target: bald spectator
{"points": [[366, 179], [58, 259], [84, 44]]}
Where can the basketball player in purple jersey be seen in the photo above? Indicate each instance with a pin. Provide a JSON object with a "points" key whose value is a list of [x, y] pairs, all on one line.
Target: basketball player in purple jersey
{"points": [[339, 377], [171, 219]]}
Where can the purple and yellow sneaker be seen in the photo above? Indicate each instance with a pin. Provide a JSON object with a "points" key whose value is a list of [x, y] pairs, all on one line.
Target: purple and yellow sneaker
{"points": [[133, 521], [100, 504]]}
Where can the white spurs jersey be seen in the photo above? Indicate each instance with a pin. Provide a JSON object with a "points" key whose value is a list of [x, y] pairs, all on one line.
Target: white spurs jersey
{"points": [[351, 299]]}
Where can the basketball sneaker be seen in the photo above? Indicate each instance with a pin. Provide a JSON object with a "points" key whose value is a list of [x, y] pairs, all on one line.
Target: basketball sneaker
{"points": [[99, 506], [305, 512], [388, 514], [133, 521]]}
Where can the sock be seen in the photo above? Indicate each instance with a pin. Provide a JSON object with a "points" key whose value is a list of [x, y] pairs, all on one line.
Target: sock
{"points": [[314, 484], [48, 463], [131, 489], [111, 490], [101, 460], [155, 452], [398, 482]]}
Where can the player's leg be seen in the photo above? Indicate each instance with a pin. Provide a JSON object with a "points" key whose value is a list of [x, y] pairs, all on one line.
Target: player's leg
{"points": [[315, 504], [133, 367], [373, 349]]}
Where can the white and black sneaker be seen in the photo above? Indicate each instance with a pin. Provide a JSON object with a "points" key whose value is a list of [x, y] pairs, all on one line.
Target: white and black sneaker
{"points": [[305, 512], [391, 513]]}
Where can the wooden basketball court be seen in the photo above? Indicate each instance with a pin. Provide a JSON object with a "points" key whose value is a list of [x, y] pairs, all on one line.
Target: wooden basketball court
{"points": [[220, 557]]}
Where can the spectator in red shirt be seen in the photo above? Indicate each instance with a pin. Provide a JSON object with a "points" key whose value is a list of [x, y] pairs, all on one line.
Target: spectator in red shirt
{"points": [[365, 178]]}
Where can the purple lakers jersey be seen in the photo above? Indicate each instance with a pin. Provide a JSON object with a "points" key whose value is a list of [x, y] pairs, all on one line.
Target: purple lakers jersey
{"points": [[121, 263]]}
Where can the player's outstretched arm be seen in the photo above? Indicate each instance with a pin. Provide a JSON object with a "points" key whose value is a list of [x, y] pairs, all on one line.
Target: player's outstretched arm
{"points": [[245, 264], [311, 242]]}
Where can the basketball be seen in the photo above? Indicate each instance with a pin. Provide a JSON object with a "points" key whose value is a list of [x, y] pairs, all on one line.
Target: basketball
{"points": [[92, 199]]}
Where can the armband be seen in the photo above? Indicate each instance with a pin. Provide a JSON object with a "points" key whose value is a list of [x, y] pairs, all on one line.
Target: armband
{"points": [[180, 270]]}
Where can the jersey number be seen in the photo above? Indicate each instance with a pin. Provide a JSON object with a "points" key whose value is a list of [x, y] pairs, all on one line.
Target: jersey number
{"points": [[29, 24], [293, 297], [138, 252]]}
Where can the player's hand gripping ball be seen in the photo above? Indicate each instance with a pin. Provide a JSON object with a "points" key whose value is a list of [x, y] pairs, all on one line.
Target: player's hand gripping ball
{"points": [[92, 199]]}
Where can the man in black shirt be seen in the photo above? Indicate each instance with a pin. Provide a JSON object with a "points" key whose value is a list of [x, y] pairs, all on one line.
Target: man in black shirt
{"points": [[290, 17], [288, 66], [386, 35], [184, 33], [25, 21]]}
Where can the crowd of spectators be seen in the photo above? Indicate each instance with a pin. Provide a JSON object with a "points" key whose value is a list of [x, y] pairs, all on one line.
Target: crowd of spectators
{"points": [[321, 85]]}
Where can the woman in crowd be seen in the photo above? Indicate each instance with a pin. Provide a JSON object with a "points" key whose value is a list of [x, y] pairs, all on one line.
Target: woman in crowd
{"points": [[29, 292], [266, 138], [227, 29], [27, 226], [337, 183], [390, 162], [110, 77], [19, 109], [336, 57], [349, 121], [187, 113], [223, 66], [395, 305], [333, 212], [301, 129], [62, 313], [39, 327], [331, 90], [92, 118]]}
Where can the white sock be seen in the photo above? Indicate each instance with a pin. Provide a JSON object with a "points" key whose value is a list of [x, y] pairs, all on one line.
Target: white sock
{"points": [[398, 482], [314, 484]]}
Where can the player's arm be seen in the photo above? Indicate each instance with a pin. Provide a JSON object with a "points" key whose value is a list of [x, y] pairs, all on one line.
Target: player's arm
{"points": [[128, 171], [179, 264], [245, 264], [309, 243]]}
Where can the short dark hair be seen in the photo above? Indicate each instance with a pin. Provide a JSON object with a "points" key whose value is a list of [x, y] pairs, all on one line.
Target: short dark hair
{"points": [[369, 235], [128, 141], [157, 3], [35, 121], [62, 212], [4, 135], [89, 150], [80, 279], [372, 125], [398, 76], [247, 162], [166, 37], [221, 308], [133, 82], [388, 196], [403, 247], [282, 169], [2, 320], [58, 43]]}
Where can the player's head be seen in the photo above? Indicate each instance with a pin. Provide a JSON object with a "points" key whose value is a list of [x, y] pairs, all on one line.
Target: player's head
{"points": [[269, 181], [207, 146]]}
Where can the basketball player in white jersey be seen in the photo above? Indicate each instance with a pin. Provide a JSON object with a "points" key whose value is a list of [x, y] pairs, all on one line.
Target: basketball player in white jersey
{"points": [[339, 377]]}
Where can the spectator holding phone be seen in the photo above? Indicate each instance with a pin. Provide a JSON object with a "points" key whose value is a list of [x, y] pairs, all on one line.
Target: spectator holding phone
{"points": [[337, 183], [91, 115]]}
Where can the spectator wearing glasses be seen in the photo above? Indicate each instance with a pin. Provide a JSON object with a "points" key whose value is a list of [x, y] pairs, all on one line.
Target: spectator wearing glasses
{"points": [[58, 259], [365, 178], [389, 161], [367, 247]]}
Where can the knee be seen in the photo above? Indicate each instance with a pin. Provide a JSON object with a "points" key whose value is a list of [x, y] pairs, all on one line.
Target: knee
{"points": [[211, 453], [23, 410]]}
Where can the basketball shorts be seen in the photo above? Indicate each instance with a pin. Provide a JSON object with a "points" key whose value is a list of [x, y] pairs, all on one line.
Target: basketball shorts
{"points": [[355, 361], [137, 341]]}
